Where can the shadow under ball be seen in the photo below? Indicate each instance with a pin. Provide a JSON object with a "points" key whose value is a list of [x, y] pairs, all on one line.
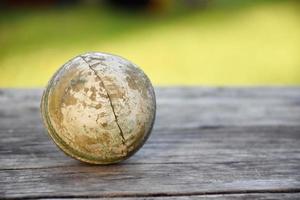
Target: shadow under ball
{"points": [[99, 108]]}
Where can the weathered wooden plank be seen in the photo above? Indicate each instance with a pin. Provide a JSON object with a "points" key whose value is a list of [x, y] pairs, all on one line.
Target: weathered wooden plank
{"points": [[152, 179], [196, 107], [214, 160], [182, 107], [205, 141], [32, 148], [257, 196]]}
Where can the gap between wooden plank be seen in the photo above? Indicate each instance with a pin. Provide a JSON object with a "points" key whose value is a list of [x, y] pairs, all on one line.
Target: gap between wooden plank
{"points": [[162, 194]]}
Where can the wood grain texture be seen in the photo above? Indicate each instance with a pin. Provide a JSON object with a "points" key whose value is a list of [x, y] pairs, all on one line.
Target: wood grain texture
{"points": [[214, 143]]}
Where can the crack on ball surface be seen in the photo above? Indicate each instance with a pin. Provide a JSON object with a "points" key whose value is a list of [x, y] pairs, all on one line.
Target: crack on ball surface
{"points": [[109, 98]]}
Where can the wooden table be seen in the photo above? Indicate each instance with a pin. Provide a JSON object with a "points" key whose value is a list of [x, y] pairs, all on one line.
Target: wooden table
{"points": [[207, 143]]}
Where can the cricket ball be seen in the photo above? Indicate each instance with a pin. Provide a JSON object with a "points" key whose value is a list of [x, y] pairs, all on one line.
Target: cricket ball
{"points": [[99, 108]]}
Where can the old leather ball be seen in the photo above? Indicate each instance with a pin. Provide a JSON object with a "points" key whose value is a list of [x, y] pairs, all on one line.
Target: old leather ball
{"points": [[99, 108]]}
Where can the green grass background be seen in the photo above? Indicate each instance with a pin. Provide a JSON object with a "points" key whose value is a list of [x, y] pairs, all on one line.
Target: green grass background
{"points": [[254, 44]]}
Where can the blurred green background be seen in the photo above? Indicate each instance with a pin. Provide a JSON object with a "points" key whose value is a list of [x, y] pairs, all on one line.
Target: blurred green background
{"points": [[175, 42]]}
